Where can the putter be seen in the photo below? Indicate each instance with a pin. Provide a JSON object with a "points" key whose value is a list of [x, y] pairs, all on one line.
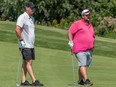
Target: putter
{"points": [[73, 71], [18, 69]]}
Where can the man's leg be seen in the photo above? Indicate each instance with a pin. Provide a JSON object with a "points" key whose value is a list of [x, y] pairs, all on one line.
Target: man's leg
{"points": [[24, 82], [84, 60], [28, 56], [82, 72], [24, 71], [30, 69], [27, 66], [81, 57]]}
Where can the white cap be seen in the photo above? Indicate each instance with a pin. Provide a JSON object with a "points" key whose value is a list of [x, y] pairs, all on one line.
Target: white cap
{"points": [[85, 12]]}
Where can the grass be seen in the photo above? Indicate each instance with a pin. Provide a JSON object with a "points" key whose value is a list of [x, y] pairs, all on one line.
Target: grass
{"points": [[53, 59]]}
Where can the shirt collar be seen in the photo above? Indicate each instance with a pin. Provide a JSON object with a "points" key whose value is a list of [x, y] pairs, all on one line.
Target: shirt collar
{"points": [[85, 22], [27, 15]]}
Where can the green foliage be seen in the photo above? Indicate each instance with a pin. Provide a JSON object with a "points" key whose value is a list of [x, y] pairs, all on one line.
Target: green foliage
{"points": [[49, 10], [64, 24], [106, 27], [54, 22], [10, 10]]}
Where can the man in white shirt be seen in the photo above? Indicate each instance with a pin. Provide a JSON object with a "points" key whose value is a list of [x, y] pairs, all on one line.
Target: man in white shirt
{"points": [[26, 37]]}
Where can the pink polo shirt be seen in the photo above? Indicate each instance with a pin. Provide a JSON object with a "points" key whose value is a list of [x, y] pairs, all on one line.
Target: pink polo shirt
{"points": [[83, 36]]}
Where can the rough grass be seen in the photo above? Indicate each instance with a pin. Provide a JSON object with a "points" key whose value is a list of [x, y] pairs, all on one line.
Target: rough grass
{"points": [[49, 37]]}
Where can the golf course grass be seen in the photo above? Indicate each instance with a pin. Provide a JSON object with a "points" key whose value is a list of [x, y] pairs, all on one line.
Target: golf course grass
{"points": [[53, 64]]}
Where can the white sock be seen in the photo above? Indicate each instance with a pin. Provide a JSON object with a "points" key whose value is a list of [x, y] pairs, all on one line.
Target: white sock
{"points": [[23, 81], [34, 80]]}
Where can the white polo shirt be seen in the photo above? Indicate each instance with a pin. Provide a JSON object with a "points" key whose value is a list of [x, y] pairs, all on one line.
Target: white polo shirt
{"points": [[27, 30]]}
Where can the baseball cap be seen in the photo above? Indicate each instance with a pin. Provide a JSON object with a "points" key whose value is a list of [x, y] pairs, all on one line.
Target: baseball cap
{"points": [[85, 12], [30, 4]]}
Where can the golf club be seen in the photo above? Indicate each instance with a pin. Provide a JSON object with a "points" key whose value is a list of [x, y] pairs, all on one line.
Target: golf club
{"points": [[18, 69], [73, 68]]}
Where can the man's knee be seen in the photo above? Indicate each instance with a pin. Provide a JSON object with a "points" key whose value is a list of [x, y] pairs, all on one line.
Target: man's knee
{"points": [[28, 62]]}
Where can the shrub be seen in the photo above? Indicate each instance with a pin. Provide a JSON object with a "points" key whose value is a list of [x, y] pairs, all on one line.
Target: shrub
{"points": [[63, 23], [107, 25], [54, 22]]}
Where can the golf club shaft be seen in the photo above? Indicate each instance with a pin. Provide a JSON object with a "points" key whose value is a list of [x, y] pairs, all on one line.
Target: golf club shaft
{"points": [[18, 69], [73, 68]]}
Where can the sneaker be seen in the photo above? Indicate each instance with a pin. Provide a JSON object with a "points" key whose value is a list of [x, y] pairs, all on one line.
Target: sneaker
{"points": [[26, 83], [37, 83], [88, 82], [81, 82]]}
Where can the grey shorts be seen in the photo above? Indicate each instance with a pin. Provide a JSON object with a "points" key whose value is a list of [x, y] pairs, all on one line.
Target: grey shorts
{"points": [[28, 53], [84, 58]]}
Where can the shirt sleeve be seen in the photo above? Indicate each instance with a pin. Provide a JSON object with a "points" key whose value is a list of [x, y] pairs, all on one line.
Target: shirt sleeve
{"points": [[20, 21], [73, 28]]}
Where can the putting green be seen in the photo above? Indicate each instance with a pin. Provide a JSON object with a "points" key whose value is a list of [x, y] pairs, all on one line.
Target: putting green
{"points": [[53, 67]]}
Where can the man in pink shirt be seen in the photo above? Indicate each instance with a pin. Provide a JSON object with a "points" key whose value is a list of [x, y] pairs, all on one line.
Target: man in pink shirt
{"points": [[81, 40]]}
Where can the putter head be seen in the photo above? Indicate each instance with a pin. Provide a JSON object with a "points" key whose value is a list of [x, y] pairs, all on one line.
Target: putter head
{"points": [[17, 84]]}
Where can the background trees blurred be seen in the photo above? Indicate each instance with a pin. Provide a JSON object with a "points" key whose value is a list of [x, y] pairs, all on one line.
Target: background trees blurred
{"points": [[61, 13]]}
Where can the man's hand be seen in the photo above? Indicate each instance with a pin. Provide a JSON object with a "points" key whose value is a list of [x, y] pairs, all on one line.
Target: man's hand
{"points": [[70, 43], [22, 43]]}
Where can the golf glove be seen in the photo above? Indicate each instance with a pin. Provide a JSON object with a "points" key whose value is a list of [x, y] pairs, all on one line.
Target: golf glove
{"points": [[70, 43], [23, 44]]}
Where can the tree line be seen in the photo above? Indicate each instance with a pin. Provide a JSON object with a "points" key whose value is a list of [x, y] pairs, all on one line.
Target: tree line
{"points": [[61, 13]]}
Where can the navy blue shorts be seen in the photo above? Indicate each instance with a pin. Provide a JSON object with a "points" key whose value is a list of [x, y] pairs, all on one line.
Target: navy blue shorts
{"points": [[28, 53]]}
